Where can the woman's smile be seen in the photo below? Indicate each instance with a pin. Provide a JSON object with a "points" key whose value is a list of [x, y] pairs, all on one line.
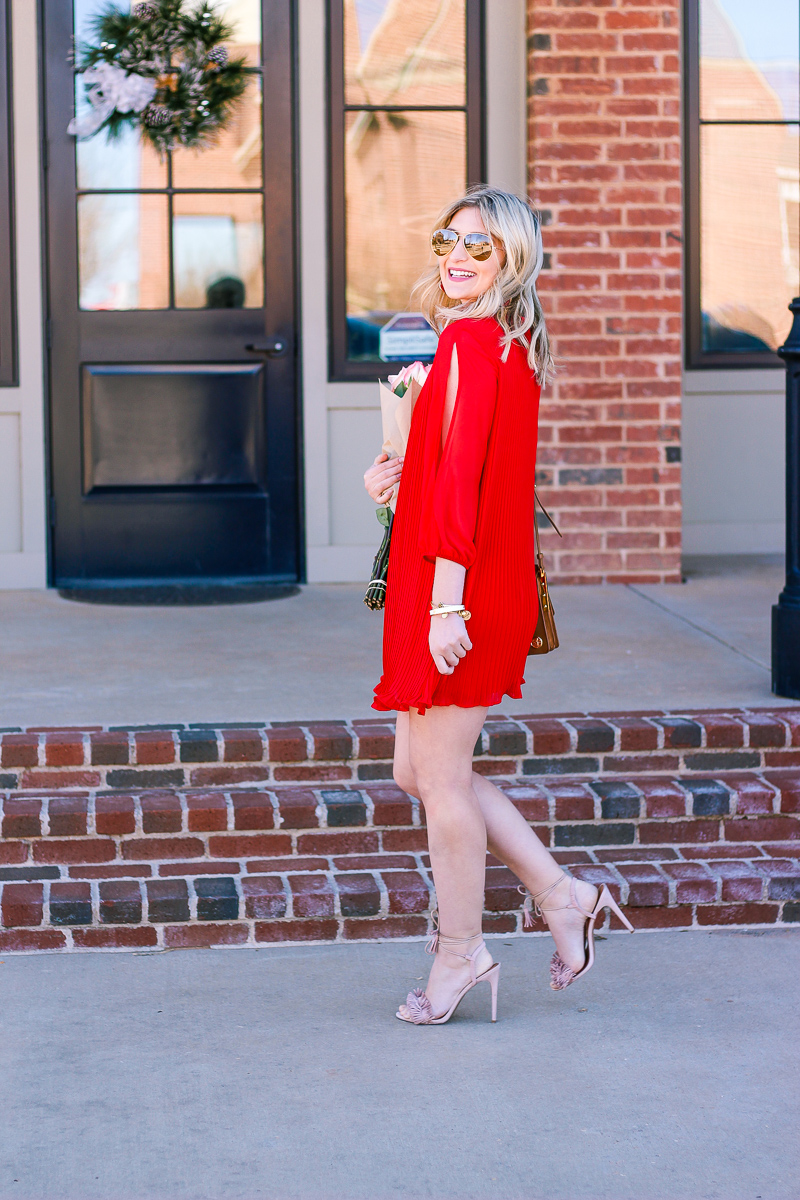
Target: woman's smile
{"points": [[464, 278]]}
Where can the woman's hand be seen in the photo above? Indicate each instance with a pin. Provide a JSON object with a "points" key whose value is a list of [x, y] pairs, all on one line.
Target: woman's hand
{"points": [[448, 641], [380, 479]]}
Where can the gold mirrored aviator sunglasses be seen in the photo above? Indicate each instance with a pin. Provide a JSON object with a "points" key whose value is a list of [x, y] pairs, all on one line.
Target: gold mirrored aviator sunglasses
{"points": [[477, 245]]}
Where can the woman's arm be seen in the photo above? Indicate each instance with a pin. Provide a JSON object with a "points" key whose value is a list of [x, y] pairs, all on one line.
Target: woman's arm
{"points": [[448, 639], [452, 489], [449, 517]]}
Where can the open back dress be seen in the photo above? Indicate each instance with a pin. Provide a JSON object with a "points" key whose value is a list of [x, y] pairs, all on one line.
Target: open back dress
{"points": [[471, 502]]}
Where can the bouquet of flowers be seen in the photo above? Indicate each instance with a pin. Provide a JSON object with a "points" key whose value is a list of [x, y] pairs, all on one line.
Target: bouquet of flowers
{"points": [[398, 397]]}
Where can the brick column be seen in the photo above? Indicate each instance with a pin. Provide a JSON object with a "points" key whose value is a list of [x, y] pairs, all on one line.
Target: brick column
{"points": [[604, 143]]}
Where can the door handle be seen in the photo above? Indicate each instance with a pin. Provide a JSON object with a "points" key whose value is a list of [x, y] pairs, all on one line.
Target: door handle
{"points": [[273, 347]]}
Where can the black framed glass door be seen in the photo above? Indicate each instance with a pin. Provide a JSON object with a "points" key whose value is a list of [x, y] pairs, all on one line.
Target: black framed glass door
{"points": [[171, 328]]}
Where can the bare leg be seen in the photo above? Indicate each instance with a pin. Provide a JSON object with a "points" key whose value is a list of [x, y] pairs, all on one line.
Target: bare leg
{"points": [[440, 747], [511, 839]]}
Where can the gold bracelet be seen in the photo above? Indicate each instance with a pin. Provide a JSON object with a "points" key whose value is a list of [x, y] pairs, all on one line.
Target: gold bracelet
{"points": [[443, 610]]}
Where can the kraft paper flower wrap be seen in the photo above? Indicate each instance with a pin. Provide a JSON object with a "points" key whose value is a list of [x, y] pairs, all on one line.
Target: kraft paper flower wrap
{"points": [[398, 397]]}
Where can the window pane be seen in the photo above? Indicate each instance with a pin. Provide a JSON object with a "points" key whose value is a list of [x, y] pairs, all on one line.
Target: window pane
{"points": [[122, 162], [218, 251], [400, 170], [405, 51], [750, 220], [243, 15], [84, 11], [234, 160], [749, 60], [245, 18], [104, 162], [123, 252]]}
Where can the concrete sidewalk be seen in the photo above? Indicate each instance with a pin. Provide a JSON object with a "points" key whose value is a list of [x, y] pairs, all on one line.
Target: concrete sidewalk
{"points": [[669, 1073], [317, 655]]}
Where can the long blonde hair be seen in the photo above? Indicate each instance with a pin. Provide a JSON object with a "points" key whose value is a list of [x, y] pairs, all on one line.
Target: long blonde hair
{"points": [[512, 298]]}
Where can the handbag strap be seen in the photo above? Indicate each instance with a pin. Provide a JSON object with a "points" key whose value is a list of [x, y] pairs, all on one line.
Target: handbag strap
{"points": [[536, 501]]}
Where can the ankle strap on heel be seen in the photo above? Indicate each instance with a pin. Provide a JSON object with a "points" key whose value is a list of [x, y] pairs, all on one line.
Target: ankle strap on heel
{"points": [[533, 900], [441, 941]]}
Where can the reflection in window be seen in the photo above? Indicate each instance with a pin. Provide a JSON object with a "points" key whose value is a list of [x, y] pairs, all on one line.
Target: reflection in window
{"points": [[400, 169], [748, 60], [234, 159], [402, 163], [123, 251], [405, 53], [125, 225], [217, 251], [749, 173], [121, 162], [244, 17]]}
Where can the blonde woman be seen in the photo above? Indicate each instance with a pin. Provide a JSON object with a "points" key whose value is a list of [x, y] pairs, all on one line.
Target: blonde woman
{"points": [[463, 551]]}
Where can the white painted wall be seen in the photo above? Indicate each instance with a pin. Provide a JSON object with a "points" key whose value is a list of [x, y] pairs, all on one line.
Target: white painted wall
{"points": [[342, 420], [733, 461], [22, 458]]}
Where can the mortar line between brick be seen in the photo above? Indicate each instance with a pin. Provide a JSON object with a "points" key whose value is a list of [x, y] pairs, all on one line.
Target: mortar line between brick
{"points": [[384, 891]]}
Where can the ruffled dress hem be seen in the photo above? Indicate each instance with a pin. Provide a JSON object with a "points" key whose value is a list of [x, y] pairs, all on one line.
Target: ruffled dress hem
{"points": [[388, 703]]}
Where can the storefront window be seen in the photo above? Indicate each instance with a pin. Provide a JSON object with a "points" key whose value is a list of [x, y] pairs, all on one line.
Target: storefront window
{"points": [[744, 180], [405, 138]]}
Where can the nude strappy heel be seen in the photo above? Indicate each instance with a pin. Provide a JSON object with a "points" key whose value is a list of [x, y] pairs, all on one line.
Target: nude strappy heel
{"points": [[561, 975], [418, 1004]]}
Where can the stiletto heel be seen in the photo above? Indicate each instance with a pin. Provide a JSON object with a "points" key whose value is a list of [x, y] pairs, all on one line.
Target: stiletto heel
{"points": [[494, 980], [562, 975], [611, 903], [418, 1004]]}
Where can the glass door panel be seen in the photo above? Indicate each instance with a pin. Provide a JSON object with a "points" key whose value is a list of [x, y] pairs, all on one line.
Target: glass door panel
{"points": [[218, 250], [142, 216], [234, 159], [123, 253]]}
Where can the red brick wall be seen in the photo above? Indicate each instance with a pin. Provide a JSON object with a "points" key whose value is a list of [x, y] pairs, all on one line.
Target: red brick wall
{"points": [[127, 839], [604, 152]]}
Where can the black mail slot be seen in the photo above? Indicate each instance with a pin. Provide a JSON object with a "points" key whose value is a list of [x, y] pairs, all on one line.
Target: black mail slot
{"points": [[171, 426]]}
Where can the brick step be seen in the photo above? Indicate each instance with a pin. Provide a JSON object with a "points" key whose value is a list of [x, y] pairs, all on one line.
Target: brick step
{"points": [[360, 751], [281, 862], [604, 744]]}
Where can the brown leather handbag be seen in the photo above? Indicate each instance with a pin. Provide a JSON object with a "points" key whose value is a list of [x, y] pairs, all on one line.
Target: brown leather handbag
{"points": [[545, 637]]}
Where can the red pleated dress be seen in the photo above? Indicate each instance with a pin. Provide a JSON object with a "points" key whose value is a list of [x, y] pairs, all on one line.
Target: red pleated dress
{"points": [[471, 502]]}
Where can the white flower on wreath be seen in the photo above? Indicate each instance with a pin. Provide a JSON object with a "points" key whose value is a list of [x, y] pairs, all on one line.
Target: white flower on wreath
{"points": [[111, 88]]}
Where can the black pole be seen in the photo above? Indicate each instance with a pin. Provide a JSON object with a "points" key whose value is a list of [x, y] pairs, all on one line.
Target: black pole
{"points": [[786, 613]]}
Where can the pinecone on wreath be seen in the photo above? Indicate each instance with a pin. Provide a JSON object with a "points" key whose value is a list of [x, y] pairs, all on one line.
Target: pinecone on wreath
{"points": [[157, 116], [163, 68], [218, 57]]}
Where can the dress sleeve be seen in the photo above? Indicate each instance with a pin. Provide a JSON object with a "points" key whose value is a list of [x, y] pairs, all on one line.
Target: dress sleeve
{"points": [[450, 509]]}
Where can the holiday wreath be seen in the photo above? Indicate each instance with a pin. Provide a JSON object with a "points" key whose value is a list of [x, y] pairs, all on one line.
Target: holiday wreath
{"points": [[162, 67]]}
